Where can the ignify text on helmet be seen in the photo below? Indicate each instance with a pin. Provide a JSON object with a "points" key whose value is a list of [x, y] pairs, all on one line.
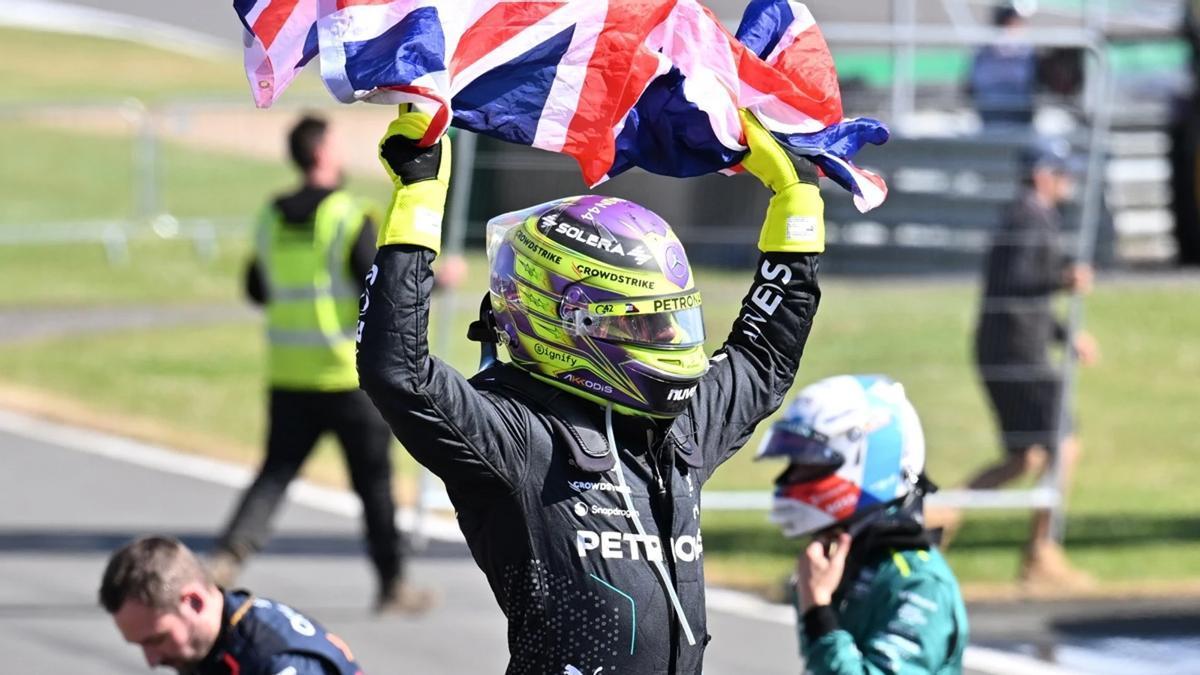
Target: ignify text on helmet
{"points": [[554, 355]]}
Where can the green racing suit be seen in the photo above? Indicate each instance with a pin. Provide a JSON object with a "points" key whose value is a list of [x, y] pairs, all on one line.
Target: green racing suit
{"points": [[899, 611]]}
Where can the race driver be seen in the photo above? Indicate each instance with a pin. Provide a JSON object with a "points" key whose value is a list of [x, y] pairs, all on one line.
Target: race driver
{"points": [[576, 467], [873, 593]]}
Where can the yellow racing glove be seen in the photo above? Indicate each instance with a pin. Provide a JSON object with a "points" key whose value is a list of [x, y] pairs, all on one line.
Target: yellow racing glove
{"points": [[795, 221], [422, 180]]}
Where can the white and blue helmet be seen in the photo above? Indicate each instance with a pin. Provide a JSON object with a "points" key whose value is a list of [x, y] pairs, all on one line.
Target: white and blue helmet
{"points": [[854, 447]]}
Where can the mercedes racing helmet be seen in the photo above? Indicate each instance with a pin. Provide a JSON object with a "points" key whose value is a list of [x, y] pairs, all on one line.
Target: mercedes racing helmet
{"points": [[595, 295], [854, 448]]}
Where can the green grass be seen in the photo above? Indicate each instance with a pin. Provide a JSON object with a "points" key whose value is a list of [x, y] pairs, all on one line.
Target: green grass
{"points": [[1132, 514], [77, 176], [161, 272], [42, 67], [1133, 510], [96, 185]]}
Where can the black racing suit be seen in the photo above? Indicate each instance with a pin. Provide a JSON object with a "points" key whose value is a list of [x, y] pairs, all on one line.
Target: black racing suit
{"points": [[523, 465]]}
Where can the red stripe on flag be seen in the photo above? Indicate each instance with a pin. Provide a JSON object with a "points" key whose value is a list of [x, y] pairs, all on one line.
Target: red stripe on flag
{"points": [[498, 25], [616, 76], [271, 21], [808, 64], [441, 118]]}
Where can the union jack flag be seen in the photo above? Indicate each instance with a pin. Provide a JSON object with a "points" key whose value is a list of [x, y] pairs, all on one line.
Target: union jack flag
{"points": [[655, 84]]}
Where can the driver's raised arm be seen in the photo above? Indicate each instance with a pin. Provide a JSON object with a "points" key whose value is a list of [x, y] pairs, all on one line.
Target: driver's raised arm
{"points": [[753, 371], [446, 424]]}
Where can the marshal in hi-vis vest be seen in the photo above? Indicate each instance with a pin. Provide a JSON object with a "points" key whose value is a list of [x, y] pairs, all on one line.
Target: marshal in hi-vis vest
{"points": [[312, 301]]}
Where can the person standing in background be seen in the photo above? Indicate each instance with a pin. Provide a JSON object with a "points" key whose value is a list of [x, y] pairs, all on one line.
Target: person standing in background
{"points": [[1025, 269], [315, 248], [1003, 76]]}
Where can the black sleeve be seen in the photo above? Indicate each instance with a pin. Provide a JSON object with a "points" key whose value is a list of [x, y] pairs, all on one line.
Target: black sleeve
{"points": [[256, 284], [818, 622], [1060, 331], [457, 432], [1025, 260], [362, 256], [752, 373]]}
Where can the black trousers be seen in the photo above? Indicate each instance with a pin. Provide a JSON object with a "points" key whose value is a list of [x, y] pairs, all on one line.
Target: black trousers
{"points": [[297, 420]]}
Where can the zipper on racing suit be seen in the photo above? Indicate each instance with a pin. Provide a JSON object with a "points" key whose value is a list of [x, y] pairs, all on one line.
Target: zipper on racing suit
{"points": [[664, 519], [664, 568]]}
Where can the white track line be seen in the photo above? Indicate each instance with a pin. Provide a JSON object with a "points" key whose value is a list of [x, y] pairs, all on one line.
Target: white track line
{"points": [[61, 17], [155, 457], [340, 502]]}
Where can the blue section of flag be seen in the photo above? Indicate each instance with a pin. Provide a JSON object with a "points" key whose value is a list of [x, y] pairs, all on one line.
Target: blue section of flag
{"points": [[764, 24], [507, 101], [243, 7], [311, 48], [843, 140], [410, 49], [667, 134]]}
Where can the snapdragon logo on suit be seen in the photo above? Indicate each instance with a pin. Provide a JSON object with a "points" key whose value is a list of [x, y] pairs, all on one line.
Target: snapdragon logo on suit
{"points": [[582, 510]]}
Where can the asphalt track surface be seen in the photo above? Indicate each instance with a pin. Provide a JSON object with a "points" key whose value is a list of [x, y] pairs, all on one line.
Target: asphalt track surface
{"points": [[63, 511]]}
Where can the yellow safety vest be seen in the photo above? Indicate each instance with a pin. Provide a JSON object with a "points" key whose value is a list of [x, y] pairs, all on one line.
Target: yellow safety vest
{"points": [[312, 301]]}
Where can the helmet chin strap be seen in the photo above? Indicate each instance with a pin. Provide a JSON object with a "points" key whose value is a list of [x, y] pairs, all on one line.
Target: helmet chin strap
{"points": [[659, 567], [484, 331]]}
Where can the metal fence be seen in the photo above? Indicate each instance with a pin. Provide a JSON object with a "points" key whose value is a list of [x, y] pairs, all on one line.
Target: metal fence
{"points": [[112, 173]]}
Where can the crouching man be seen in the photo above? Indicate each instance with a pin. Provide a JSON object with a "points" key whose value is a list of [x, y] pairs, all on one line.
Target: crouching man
{"points": [[163, 600]]}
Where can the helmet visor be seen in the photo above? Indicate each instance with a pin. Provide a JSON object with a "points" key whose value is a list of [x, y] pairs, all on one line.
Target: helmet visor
{"points": [[808, 453], [670, 322]]}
